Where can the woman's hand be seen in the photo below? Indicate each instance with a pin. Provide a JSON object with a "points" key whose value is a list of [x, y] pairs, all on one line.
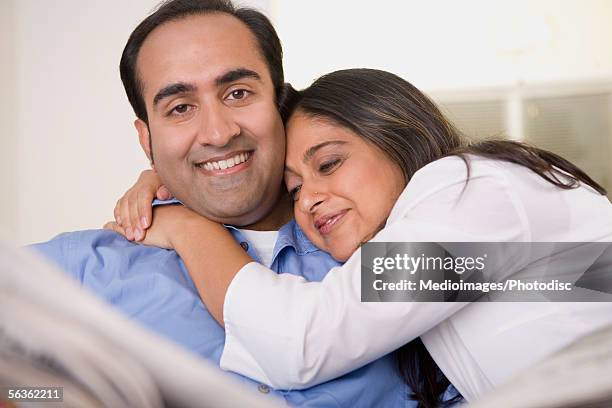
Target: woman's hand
{"points": [[133, 212], [168, 222]]}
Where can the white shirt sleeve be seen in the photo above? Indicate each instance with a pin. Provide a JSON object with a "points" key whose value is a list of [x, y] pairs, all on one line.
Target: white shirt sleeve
{"points": [[293, 334]]}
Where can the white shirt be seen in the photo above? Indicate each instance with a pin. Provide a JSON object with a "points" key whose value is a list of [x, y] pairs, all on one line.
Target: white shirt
{"points": [[293, 334], [263, 242]]}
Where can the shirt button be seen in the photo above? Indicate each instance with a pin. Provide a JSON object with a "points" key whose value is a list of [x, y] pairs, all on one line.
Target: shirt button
{"points": [[244, 246], [263, 388]]}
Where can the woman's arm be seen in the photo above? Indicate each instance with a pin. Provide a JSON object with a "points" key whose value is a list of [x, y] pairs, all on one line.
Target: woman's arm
{"points": [[294, 334], [210, 253]]}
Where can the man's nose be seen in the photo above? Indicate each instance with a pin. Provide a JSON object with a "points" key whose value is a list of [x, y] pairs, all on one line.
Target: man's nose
{"points": [[218, 126], [310, 198]]}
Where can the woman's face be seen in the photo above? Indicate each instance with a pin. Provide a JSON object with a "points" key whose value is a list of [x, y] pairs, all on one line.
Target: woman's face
{"points": [[343, 187]]}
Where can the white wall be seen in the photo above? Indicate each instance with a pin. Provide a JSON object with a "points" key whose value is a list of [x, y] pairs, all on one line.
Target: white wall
{"points": [[76, 148], [8, 139], [68, 146], [447, 44]]}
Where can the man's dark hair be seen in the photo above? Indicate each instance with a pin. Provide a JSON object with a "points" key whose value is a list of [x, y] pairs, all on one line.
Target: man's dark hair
{"points": [[172, 10]]}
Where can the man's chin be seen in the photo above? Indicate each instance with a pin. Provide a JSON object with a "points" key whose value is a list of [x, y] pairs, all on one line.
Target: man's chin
{"points": [[232, 212]]}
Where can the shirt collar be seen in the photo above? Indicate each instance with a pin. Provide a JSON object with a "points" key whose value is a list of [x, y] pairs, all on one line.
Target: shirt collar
{"points": [[292, 235], [289, 235]]}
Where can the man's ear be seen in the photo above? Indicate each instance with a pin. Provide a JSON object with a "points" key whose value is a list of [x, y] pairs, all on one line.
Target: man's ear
{"points": [[144, 136]]}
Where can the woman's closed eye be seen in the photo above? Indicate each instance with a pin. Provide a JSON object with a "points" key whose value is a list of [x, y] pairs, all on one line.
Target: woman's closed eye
{"points": [[329, 166], [294, 193]]}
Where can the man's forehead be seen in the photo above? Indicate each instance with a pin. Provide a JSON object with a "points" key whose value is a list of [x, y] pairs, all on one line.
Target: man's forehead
{"points": [[198, 48]]}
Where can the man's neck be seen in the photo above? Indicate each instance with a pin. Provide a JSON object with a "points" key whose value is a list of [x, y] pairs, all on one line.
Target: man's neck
{"points": [[281, 213]]}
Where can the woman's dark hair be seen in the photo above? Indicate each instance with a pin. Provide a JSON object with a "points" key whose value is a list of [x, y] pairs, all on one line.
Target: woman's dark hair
{"points": [[408, 127], [172, 10]]}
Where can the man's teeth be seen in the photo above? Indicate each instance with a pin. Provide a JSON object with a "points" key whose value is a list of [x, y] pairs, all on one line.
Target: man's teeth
{"points": [[226, 164]]}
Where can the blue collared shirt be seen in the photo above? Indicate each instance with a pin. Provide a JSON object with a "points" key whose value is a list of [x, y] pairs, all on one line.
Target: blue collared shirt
{"points": [[152, 286]]}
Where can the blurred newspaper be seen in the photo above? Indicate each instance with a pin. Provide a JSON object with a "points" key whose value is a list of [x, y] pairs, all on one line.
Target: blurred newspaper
{"points": [[53, 333]]}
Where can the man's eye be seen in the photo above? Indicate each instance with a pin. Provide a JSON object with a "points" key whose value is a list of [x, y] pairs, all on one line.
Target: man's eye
{"points": [[294, 193], [180, 109], [329, 166], [238, 94]]}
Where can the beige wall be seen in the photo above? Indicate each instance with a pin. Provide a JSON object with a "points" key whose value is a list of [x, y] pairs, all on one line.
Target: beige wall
{"points": [[76, 149], [8, 141]]}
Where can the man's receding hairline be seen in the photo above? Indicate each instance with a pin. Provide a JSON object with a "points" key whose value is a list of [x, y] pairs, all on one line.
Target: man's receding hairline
{"points": [[199, 13]]}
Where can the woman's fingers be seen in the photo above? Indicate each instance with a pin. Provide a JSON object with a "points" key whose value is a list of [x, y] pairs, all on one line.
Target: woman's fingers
{"points": [[125, 217], [117, 212], [163, 193], [113, 226], [133, 212], [145, 210], [137, 231]]}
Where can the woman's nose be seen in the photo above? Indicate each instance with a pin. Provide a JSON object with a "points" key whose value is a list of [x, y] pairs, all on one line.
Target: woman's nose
{"points": [[310, 199]]}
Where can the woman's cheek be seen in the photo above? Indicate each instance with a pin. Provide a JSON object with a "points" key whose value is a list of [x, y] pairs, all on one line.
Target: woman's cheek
{"points": [[306, 225]]}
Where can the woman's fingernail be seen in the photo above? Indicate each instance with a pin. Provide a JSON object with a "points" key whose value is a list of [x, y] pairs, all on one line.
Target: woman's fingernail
{"points": [[138, 234], [144, 222], [129, 234], [118, 220]]}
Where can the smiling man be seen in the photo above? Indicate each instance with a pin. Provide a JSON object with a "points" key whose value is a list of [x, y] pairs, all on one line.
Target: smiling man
{"points": [[212, 128], [205, 80]]}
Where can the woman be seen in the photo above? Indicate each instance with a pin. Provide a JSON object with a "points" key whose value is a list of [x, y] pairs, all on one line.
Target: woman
{"points": [[369, 157]]}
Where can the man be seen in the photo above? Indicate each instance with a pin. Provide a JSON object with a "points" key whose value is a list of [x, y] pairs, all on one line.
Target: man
{"points": [[205, 80]]}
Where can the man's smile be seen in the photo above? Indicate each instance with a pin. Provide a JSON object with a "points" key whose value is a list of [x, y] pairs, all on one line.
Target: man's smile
{"points": [[228, 164]]}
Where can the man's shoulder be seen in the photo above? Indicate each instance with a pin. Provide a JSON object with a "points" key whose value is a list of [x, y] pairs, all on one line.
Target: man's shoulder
{"points": [[73, 250], [86, 240]]}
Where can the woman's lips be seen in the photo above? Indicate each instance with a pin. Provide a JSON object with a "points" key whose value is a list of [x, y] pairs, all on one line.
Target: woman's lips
{"points": [[325, 224]]}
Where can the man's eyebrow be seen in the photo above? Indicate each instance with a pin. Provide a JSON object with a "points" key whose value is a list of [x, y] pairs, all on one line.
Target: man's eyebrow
{"points": [[236, 74], [173, 89], [310, 152]]}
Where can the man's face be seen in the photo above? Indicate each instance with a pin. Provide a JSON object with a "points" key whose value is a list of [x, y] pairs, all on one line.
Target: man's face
{"points": [[217, 138]]}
